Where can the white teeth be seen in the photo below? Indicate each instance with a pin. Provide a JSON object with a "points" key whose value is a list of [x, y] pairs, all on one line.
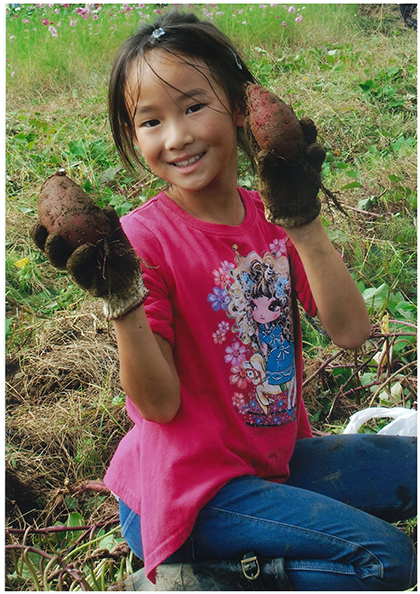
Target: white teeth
{"points": [[188, 161]]}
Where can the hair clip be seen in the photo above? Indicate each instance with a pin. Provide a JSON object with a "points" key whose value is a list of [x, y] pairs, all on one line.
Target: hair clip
{"points": [[158, 33], [239, 65]]}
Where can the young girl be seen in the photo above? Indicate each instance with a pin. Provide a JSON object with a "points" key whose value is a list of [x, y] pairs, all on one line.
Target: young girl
{"points": [[221, 459]]}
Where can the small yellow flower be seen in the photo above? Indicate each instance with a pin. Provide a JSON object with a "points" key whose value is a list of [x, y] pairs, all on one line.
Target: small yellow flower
{"points": [[22, 262]]}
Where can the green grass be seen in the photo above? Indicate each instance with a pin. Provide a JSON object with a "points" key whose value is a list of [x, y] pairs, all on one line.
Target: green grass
{"points": [[351, 68]]}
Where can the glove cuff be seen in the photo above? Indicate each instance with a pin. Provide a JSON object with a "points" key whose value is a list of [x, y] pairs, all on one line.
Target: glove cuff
{"points": [[116, 307]]}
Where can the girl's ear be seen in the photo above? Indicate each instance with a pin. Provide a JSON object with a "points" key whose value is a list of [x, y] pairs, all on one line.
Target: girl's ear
{"points": [[239, 116]]}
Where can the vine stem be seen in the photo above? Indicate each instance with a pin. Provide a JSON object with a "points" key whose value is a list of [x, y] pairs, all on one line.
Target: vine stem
{"points": [[74, 573], [389, 379], [52, 529]]}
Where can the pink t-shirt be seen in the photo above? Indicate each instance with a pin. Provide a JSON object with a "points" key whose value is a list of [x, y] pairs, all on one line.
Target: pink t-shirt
{"points": [[225, 298]]}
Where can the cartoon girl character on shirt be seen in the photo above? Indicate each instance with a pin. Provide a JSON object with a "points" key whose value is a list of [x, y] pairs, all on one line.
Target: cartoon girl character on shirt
{"points": [[261, 305], [270, 309]]}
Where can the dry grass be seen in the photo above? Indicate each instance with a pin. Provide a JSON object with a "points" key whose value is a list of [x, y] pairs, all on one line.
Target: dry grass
{"points": [[64, 414]]}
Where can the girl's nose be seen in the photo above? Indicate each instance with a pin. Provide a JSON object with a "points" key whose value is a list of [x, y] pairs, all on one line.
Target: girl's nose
{"points": [[178, 136]]}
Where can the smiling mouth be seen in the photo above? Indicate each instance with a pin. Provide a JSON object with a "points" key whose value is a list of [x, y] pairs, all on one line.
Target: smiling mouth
{"points": [[188, 161]]}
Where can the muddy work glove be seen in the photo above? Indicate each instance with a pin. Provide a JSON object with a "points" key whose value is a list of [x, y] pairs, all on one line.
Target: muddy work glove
{"points": [[88, 242], [288, 158]]}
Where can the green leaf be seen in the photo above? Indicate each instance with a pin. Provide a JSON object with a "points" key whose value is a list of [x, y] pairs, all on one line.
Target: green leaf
{"points": [[354, 184], [78, 148], [373, 150], [109, 174], [366, 86], [389, 91], [393, 71], [376, 297], [75, 519], [107, 542], [354, 174], [367, 203], [122, 209]]}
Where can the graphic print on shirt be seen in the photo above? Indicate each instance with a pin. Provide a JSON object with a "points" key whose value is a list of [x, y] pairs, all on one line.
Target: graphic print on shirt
{"points": [[255, 292]]}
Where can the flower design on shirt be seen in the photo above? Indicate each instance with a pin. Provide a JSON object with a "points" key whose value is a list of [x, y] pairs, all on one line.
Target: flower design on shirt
{"points": [[239, 376], [238, 400], [219, 299], [255, 294], [235, 353], [222, 276], [277, 247], [219, 337]]}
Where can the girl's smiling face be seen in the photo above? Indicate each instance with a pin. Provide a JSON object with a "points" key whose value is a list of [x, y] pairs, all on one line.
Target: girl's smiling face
{"points": [[183, 123]]}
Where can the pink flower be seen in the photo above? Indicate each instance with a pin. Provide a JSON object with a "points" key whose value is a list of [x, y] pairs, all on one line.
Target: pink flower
{"points": [[221, 278], [219, 337], [84, 12], [25, 21], [45, 22], [292, 9], [298, 19], [277, 247], [238, 400], [235, 354], [284, 24], [239, 376]]}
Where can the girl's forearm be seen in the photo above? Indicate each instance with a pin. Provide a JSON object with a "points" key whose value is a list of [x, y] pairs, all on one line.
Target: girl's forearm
{"points": [[147, 371], [340, 305]]}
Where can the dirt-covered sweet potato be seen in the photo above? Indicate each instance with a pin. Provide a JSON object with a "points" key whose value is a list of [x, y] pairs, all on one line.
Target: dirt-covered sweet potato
{"points": [[274, 124], [66, 210]]}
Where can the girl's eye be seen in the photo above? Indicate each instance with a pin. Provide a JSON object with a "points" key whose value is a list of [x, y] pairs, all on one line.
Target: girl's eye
{"points": [[149, 124], [274, 306], [195, 108]]}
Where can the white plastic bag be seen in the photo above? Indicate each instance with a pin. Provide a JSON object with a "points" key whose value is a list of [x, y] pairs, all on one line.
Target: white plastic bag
{"points": [[404, 423]]}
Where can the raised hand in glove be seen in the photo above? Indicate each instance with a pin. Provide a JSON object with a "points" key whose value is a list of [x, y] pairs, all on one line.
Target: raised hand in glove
{"points": [[288, 158], [90, 244]]}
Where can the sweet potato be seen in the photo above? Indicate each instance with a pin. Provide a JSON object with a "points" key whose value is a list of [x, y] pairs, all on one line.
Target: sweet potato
{"points": [[66, 210], [274, 124]]}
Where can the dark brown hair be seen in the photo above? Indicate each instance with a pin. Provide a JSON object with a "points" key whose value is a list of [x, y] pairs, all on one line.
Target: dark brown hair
{"points": [[184, 35]]}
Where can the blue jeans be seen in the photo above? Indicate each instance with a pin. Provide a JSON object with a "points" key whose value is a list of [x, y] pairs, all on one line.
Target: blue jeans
{"points": [[330, 520]]}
